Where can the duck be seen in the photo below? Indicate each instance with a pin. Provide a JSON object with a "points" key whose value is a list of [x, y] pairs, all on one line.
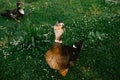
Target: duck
{"points": [[60, 56], [14, 13]]}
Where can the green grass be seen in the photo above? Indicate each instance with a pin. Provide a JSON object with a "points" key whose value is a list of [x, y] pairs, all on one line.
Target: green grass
{"points": [[23, 45]]}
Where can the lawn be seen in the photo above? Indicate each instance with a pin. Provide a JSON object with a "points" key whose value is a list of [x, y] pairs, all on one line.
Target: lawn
{"points": [[23, 45]]}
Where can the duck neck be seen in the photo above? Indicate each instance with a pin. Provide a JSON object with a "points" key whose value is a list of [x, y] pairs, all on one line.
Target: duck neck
{"points": [[58, 39], [18, 7]]}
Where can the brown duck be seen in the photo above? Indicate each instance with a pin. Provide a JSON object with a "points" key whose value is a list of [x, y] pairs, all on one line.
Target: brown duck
{"points": [[15, 13], [60, 56]]}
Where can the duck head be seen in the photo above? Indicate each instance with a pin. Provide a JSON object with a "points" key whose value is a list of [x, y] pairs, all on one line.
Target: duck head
{"points": [[58, 30], [19, 3], [19, 8]]}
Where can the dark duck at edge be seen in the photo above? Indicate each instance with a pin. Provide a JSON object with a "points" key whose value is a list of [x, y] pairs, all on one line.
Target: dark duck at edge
{"points": [[61, 57], [15, 13]]}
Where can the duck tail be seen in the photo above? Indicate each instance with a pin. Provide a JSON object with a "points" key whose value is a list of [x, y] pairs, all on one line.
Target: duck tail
{"points": [[3, 14], [77, 47], [6, 13], [80, 43]]}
